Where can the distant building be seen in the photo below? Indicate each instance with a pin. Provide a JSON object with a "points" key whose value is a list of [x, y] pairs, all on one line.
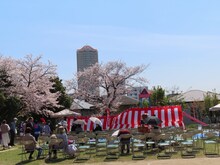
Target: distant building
{"points": [[194, 104], [126, 103], [194, 96], [84, 108], [86, 57], [135, 92]]}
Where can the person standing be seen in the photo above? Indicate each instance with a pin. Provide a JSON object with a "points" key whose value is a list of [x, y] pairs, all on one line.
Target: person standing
{"points": [[125, 141], [46, 130], [63, 122], [5, 136], [22, 127], [37, 129], [30, 124], [13, 131]]}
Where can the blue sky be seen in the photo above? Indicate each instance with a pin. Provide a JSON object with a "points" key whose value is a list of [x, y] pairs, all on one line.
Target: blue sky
{"points": [[180, 40]]}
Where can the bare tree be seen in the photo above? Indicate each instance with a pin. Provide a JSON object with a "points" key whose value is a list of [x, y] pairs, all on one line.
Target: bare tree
{"points": [[113, 80]]}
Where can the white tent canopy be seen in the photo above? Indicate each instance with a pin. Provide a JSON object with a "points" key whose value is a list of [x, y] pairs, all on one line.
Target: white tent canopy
{"points": [[64, 113], [215, 108]]}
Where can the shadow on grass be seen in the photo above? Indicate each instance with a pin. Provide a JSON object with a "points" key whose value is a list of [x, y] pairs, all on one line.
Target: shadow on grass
{"points": [[24, 162], [110, 159], [51, 161]]}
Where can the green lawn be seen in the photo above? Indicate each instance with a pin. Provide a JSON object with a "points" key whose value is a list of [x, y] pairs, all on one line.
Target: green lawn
{"points": [[13, 157]]}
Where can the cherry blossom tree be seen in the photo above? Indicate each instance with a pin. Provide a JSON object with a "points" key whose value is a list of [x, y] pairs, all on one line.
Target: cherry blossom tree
{"points": [[31, 83], [104, 85]]}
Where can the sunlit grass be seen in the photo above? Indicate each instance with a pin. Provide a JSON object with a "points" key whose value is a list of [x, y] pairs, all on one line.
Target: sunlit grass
{"points": [[13, 157]]}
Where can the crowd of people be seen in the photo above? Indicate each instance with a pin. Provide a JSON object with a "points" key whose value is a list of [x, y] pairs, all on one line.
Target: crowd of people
{"points": [[31, 130], [8, 132]]}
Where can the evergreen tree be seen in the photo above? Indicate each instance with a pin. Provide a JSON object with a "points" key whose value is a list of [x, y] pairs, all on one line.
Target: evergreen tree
{"points": [[64, 99], [158, 97]]}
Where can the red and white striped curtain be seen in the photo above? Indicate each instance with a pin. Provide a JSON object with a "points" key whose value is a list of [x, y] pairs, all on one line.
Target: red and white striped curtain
{"points": [[170, 116]]}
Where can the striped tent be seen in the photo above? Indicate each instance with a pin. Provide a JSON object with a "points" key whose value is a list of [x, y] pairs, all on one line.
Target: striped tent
{"points": [[170, 116]]}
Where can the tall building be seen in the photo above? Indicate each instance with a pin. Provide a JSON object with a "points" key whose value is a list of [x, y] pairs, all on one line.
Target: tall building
{"points": [[86, 57]]}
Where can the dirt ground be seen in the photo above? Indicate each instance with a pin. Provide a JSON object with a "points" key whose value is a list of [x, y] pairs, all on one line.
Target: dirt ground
{"points": [[193, 161]]}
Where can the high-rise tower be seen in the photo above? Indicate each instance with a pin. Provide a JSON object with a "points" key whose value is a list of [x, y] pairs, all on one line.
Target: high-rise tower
{"points": [[86, 57]]}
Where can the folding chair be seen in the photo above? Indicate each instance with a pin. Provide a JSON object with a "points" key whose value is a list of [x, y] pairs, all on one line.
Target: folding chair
{"points": [[138, 146], [187, 145], [82, 152], [150, 142], [112, 147], [197, 136], [164, 145], [43, 142], [24, 150], [91, 142], [57, 144], [101, 144], [211, 146]]}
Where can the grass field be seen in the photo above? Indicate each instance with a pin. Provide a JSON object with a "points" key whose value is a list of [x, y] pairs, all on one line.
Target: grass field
{"points": [[13, 157]]}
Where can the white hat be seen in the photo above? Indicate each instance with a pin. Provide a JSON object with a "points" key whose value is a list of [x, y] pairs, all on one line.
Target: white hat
{"points": [[15, 118]]}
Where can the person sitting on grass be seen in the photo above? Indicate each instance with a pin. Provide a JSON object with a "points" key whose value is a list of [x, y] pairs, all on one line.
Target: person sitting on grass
{"points": [[32, 146]]}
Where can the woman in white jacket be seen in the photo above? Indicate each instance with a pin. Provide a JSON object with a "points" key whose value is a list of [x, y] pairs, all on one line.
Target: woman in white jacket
{"points": [[5, 136]]}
